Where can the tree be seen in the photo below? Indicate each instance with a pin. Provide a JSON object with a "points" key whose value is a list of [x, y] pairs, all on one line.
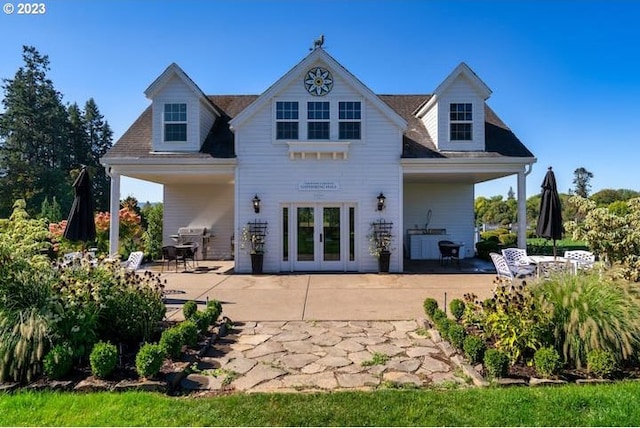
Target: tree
{"points": [[99, 141], [511, 194], [43, 145], [581, 181], [34, 155]]}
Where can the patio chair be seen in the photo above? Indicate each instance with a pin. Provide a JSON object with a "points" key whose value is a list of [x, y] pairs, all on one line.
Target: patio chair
{"points": [[169, 254], [191, 253], [518, 261], [504, 271], [134, 261], [582, 259], [449, 251]]}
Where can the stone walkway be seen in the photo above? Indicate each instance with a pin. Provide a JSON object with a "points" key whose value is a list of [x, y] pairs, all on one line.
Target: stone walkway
{"points": [[324, 355]]}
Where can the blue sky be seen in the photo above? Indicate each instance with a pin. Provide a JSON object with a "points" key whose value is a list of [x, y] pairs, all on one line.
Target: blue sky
{"points": [[564, 74]]}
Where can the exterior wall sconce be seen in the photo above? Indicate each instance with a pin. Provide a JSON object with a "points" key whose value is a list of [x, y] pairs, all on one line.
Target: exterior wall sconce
{"points": [[256, 204], [381, 199]]}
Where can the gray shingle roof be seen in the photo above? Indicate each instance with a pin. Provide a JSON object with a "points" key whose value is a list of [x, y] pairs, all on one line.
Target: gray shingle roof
{"points": [[417, 143]]}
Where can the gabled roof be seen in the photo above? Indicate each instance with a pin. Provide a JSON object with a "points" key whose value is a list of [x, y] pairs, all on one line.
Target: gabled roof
{"points": [[417, 143], [174, 70], [316, 56], [461, 70]]}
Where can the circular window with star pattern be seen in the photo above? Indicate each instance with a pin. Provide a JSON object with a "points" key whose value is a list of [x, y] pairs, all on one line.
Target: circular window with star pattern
{"points": [[318, 81]]}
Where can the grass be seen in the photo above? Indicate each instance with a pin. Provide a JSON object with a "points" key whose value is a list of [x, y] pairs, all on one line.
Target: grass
{"points": [[596, 405]]}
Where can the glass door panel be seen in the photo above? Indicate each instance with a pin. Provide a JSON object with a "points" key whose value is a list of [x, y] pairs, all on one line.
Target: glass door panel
{"points": [[305, 232], [331, 234]]}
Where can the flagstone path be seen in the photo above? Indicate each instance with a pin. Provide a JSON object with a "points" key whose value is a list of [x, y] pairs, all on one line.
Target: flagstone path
{"points": [[324, 355]]}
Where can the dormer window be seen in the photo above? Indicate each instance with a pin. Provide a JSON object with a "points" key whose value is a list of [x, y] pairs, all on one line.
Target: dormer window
{"points": [[460, 121], [175, 122], [318, 120]]}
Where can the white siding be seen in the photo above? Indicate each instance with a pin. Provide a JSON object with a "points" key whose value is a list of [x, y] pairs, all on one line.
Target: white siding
{"points": [[265, 169], [206, 122], [176, 91], [460, 91], [430, 121], [201, 205], [451, 208]]}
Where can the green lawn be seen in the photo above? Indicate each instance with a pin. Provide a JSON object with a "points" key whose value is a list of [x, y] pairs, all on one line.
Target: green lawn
{"points": [[600, 405]]}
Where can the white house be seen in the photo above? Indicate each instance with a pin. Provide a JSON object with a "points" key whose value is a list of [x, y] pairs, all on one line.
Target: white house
{"points": [[318, 148]]}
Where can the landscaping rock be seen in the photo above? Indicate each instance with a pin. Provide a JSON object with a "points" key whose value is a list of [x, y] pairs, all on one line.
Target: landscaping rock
{"points": [[357, 380], [92, 384], [257, 375], [199, 382], [142, 385], [546, 382], [509, 381]]}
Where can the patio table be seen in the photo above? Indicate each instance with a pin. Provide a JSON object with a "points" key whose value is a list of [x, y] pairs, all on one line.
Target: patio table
{"points": [[556, 261]]}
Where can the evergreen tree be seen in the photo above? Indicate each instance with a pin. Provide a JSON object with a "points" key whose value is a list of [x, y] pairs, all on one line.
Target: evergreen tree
{"points": [[99, 140], [581, 180], [34, 152]]}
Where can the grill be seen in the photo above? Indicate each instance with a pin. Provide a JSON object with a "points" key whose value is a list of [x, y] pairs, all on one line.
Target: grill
{"points": [[197, 235]]}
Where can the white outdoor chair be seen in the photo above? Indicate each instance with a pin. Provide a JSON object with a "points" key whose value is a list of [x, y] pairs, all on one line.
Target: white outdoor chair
{"points": [[518, 261], [503, 270], [134, 261], [547, 269], [582, 259]]}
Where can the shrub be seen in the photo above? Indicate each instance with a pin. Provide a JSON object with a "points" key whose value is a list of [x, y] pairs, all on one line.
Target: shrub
{"points": [[590, 311], [430, 305], [484, 248], [202, 320], [508, 239], [518, 324], [474, 348], [149, 360], [58, 361], [103, 359], [456, 335], [496, 363], [437, 315], [214, 308], [130, 304], [457, 308], [443, 324], [601, 363], [171, 342], [546, 361], [189, 309], [189, 332]]}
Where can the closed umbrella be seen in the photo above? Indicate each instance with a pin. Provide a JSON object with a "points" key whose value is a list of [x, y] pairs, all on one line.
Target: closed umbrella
{"points": [[550, 219], [80, 223]]}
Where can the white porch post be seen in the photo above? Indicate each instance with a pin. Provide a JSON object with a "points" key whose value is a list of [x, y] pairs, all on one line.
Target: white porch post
{"points": [[114, 209], [522, 210]]}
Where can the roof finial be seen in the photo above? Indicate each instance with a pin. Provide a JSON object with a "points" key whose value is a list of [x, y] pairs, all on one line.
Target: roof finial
{"points": [[317, 43]]}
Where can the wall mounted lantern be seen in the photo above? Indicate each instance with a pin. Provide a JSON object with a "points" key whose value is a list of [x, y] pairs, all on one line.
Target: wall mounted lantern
{"points": [[381, 199], [256, 204]]}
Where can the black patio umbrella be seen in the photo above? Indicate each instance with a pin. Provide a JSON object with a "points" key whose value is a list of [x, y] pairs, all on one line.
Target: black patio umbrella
{"points": [[81, 224], [550, 218]]}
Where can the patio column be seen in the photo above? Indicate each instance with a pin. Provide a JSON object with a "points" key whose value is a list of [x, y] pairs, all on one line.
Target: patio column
{"points": [[522, 209], [114, 209]]}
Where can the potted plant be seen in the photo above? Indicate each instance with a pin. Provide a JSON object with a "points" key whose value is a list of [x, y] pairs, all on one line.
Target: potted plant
{"points": [[380, 243], [253, 239]]}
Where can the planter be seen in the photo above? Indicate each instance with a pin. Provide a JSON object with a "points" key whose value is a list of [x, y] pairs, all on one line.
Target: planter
{"points": [[383, 261], [256, 263]]}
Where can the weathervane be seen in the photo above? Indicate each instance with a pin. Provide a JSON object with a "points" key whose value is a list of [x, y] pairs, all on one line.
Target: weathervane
{"points": [[317, 43]]}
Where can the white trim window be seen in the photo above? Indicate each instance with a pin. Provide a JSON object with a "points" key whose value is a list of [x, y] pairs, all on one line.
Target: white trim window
{"points": [[460, 121], [287, 120], [318, 120], [175, 122], [349, 120]]}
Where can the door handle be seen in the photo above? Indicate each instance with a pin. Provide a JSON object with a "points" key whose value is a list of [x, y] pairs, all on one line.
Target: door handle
{"points": [[321, 237]]}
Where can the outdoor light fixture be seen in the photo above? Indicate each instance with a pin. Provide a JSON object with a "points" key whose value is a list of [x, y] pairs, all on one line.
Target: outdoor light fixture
{"points": [[256, 204], [381, 199]]}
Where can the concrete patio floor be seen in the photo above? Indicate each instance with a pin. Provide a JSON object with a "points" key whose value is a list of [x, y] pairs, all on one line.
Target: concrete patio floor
{"points": [[319, 296]]}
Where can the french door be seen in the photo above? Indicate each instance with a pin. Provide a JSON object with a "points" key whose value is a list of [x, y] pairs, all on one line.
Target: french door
{"points": [[322, 236]]}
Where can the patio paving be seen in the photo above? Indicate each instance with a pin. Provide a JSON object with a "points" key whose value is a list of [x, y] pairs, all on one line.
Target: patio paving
{"points": [[307, 332]]}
